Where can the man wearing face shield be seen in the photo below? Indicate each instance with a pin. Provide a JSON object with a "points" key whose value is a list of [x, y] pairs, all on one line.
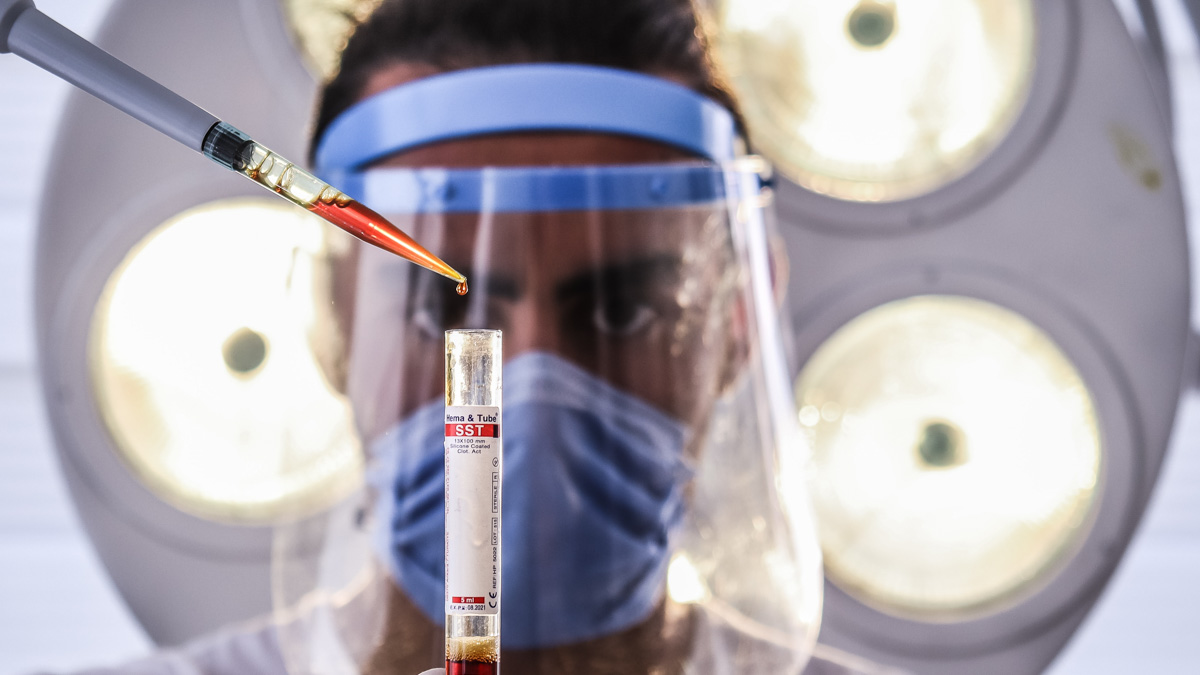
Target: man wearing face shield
{"points": [[579, 162]]}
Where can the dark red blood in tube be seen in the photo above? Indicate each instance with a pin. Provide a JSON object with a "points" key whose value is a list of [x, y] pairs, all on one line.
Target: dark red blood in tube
{"points": [[472, 668]]}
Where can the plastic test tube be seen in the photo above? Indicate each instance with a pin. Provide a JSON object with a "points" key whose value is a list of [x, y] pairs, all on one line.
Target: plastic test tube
{"points": [[474, 472]]}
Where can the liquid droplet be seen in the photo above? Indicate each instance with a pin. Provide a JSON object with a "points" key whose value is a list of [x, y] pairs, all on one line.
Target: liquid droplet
{"points": [[461, 287]]}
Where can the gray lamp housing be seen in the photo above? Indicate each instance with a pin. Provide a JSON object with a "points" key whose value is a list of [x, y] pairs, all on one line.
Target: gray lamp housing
{"points": [[111, 182], [1076, 222]]}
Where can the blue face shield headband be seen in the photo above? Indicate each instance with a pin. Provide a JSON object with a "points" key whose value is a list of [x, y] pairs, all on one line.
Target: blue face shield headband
{"points": [[522, 98]]}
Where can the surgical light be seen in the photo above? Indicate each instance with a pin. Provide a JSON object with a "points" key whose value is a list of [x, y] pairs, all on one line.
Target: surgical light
{"points": [[203, 371], [956, 455], [989, 355], [235, 431], [877, 100]]}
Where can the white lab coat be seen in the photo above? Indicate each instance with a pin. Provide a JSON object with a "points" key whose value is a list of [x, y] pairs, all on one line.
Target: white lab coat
{"points": [[245, 649], [251, 648]]}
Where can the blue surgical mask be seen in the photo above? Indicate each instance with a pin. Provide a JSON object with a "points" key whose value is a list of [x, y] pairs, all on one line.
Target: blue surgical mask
{"points": [[593, 483]]}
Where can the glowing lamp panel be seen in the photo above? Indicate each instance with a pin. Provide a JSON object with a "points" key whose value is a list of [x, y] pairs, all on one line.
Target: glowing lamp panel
{"points": [[956, 456], [204, 369], [320, 29], [874, 100]]}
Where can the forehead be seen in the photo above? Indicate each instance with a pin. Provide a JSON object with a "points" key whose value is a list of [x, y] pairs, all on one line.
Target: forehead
{"points": [[536, 148]]}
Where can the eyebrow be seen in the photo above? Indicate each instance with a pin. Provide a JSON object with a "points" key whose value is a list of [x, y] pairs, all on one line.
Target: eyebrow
{"points": [[639, 271]]}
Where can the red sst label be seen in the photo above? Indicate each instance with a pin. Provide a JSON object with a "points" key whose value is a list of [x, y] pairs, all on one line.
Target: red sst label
{"points": [[473, 430]]}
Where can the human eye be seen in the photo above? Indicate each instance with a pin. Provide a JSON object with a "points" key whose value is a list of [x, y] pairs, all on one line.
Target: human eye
{"points": [[435, 311], [623, 316], [428, 322], [624, 301]]}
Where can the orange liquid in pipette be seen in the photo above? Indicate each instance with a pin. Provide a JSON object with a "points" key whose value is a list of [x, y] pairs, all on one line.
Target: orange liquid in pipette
{"points": [[373, 228]]}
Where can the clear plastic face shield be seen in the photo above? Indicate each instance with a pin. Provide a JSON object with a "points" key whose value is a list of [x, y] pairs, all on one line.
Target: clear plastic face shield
{"points": [[645, 413]]}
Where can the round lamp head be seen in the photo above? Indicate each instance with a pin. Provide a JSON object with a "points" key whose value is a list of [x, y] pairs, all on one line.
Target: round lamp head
{"points": [[956, 455], [877, 100], [204, 371]]}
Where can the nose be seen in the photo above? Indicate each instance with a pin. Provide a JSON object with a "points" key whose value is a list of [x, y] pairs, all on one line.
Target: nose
{"points": [[532, 326]]}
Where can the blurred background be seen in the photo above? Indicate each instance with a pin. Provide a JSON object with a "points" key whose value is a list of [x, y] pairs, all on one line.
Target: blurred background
{"points": [[59, 609]]}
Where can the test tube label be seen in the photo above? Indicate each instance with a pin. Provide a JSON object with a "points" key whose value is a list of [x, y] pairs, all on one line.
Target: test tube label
{"points": [[473, 480]]}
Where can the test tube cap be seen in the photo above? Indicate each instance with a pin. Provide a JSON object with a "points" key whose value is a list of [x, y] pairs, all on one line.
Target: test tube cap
{"points": [[474, 358]]}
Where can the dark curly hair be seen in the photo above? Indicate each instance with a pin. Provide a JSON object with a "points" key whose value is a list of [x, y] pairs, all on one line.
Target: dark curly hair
{"points": [[651, 36]]}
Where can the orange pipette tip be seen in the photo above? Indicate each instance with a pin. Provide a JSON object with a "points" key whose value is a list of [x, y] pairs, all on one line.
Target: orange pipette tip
{"points": [[373, 228]]}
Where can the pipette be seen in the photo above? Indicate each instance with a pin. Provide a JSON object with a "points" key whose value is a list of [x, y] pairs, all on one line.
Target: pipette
{"points": [[37, 38]]}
